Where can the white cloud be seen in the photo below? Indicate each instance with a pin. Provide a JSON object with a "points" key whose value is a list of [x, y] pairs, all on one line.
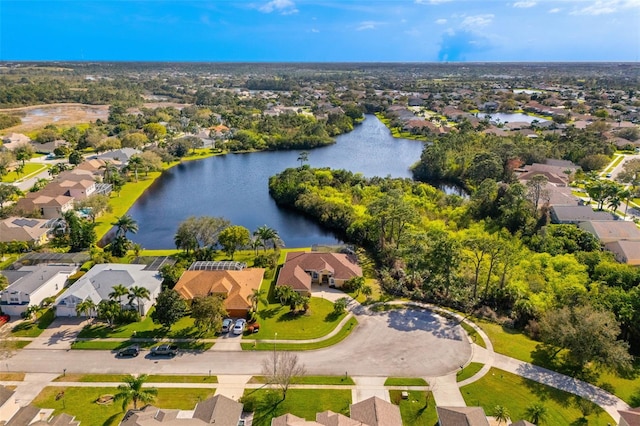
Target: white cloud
{"points": [[441, 21], [368, 25], [313, 30], [477, 21], [605, 7], [555, 10], [285, 7], [524, 4]]}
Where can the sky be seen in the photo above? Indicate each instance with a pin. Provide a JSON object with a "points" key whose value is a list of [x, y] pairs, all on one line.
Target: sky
{"points": [[321, 30]]}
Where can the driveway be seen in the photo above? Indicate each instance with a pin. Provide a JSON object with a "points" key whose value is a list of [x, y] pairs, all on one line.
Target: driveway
{"points": [[407, 342]]}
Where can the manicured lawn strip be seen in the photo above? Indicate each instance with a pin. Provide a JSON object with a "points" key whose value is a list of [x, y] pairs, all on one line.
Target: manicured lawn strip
{"points": [[405, 381], [168, 252], [304, 403], [477, 338], [79, 402], [183, 329], [14, 345], [508, 341], [34, 328], [169, 378], [311, 380], [338, 337], [516, 393], [615, 162], [11, 377], [469, 371], [112, 346], [419, 409], [90, 378], [317, 322]]}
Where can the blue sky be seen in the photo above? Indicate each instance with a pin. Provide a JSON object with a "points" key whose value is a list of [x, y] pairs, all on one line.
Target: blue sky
{"points": [[322, 30]]}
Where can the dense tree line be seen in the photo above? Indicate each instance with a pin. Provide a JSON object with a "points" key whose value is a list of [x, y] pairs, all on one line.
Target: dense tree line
{"points": [[491, 252]]}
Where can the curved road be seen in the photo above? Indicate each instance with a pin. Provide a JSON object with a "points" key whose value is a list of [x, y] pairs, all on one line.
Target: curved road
{"points": [[408, 342]]}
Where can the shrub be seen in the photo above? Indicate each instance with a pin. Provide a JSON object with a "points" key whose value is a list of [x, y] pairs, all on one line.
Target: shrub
{"points": [[128, 316]]}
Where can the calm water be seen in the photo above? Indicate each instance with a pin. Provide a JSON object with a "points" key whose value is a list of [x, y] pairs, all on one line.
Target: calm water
{"points": [[500, 117], [235, 186]]}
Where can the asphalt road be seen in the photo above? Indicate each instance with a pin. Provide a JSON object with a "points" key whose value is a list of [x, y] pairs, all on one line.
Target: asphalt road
{"points": [[408, 343]]}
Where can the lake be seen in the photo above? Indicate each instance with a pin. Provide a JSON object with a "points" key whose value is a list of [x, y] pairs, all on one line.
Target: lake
{"points": [[235, 186], [501, 117]]}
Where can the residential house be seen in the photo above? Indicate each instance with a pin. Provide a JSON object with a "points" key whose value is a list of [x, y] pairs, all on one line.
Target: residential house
{"points": [[99, 281], [559, 196], [608, 231], [48, 204], [236, 286], [13, 140], [49, 147], [625, 251], [32, 231], [34, 416], [122, 155], [35, 284], [576, 214], [461, 416], [302, 269], [629, 417], [219, 410], [370, 412]]}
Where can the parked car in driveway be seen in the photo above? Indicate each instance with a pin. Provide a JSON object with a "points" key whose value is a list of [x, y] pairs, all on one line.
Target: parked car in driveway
{"points": [[227, 325], [164, 350], [132, 351], [239, 326]]}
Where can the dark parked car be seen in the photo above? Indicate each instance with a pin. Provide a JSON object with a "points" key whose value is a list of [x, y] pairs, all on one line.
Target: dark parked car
{"points": [[227, 324], [132, 350], [164, 350]]}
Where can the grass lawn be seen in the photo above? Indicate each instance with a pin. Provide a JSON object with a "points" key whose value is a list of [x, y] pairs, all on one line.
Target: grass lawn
{"points": [[508, 341], [300, 402], [517, 393], [626, 388], [317, 322], [118, 378], [311, 380], [29, 169], [477, 338], [405, 381], [183, 329], [34, 328], [79, 402], [338, 337], [419, 409], [469, 371], [11, 377]]}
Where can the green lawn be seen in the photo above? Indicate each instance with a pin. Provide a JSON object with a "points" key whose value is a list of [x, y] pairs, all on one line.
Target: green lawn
{"points": [[311, 380], [300, 402], [405, 381], [515, 393], [317, 322], [117, 378], [338, 337], [626, 388], [473, 333], [29, 169], [183, 329], [417, 410], [79, 402], [34, 328], [469, 371]]}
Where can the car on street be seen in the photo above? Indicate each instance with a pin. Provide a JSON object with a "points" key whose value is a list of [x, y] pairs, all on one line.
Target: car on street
{"points": [[133, 350], [239, 326], [164, 350], [227, 325]]}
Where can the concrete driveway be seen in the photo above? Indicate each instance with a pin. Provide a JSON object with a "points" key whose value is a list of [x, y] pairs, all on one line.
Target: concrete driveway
{"points": [[407, 342]]}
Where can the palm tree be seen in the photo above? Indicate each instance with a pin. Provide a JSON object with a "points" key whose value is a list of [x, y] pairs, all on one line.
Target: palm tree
{"points": [[501, 414], [536, 413], [367, 291], [133, 390], [255, 296], [135, 163], [109, 171], [138, 293], [117, 292], [124, 224], [267, 234], [285, 294], [85, 307]]}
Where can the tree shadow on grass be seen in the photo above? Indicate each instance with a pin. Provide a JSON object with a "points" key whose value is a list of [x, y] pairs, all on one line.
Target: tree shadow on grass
{"points": [[265, 405], [290, 316], [269, 313], [113, 420]]}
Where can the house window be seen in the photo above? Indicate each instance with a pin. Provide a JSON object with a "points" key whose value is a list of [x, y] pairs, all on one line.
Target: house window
{"points": [[14, 299], [314, 274]]}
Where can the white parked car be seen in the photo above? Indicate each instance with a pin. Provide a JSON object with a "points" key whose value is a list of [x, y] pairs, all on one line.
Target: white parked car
{"points": [[239, 327]]}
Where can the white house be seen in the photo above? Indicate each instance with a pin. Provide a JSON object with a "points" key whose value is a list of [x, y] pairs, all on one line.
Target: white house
{"points": [[99, 281], [30, 285]]}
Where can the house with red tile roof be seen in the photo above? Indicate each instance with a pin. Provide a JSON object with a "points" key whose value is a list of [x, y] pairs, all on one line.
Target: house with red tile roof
{"points": [[302, 269]]}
